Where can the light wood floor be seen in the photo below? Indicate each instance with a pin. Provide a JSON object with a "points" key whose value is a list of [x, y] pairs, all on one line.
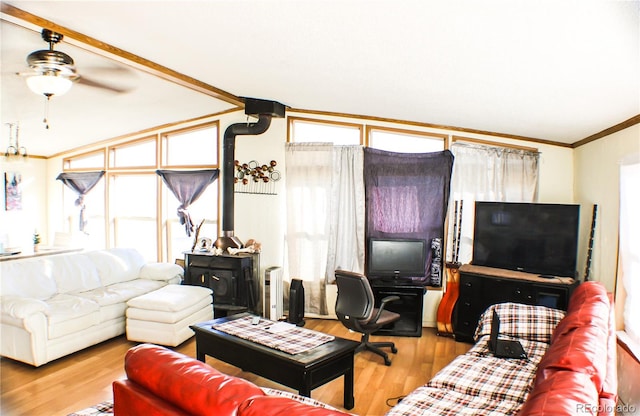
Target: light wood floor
{"points": [[83, 379]]}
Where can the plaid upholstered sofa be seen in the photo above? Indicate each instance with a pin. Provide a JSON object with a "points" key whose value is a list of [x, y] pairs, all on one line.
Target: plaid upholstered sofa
{"points": [[571, 365]]}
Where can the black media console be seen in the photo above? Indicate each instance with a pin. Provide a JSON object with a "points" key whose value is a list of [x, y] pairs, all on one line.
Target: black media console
{"points": [[481, 287]]}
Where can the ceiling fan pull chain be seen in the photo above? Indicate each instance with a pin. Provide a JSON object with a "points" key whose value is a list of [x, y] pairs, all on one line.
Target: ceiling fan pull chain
{"points": [[46, 111]]}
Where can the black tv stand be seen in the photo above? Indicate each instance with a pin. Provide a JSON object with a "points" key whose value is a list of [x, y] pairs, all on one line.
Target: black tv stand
{"points": [[409, 306]]}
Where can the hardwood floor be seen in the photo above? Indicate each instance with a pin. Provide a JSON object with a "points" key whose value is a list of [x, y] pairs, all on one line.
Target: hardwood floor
{"points": [[83, 379]]}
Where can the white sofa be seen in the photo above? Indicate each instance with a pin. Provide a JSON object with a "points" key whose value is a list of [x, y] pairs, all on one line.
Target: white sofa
{"points": [[52, 306]]}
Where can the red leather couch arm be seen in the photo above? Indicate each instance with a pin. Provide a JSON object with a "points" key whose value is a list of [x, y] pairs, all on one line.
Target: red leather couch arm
{"points": [[184, 382], [129, 399]]}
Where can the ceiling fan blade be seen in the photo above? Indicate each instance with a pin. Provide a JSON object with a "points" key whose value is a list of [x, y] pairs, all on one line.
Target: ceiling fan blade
{"points": [[102, 85]]}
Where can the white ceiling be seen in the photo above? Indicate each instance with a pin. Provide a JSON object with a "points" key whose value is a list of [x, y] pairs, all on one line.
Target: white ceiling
{"points": [[551, 69]]}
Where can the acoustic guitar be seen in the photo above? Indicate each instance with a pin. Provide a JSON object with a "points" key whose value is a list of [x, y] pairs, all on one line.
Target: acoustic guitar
{"points": [[450, 298]]}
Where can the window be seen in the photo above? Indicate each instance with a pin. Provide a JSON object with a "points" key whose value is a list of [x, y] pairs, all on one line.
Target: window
{"points": [[629, 255], [142, 214], [315, 131], [136, 154], [94, 236], [405, 141], [178, 147], [87, 161], [133, 212], [205, 208]]}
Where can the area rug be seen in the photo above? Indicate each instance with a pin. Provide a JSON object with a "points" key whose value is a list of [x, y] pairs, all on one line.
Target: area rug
{"points": [[104, 408]]}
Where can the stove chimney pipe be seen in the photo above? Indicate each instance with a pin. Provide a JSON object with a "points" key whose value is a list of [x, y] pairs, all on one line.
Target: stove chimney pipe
{"points": [[265, 110]]}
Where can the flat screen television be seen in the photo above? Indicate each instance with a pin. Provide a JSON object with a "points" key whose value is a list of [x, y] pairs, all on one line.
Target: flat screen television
{"points": [[529, 237], [396, 258]]}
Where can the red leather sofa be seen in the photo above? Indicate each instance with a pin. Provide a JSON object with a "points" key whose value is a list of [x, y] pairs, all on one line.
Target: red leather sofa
{"points": [[576, 374]]}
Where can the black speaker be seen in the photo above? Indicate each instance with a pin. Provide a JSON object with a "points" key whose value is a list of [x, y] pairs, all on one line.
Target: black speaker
{"points": [[224, 286], [296, 303]]}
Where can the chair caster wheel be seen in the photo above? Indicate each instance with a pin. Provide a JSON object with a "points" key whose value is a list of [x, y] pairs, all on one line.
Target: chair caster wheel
{"points": [[387, 362], [394, 350]]}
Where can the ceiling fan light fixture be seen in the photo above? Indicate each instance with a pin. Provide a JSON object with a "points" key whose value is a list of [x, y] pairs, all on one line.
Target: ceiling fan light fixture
{"points": [[49, 84]]}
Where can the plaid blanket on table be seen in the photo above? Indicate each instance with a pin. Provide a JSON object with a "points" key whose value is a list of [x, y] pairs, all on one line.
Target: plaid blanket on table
{"points": [[293, 340]]}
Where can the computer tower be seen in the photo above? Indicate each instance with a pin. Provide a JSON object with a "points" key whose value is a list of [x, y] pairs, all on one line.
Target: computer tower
{"points": [[296, 303]]}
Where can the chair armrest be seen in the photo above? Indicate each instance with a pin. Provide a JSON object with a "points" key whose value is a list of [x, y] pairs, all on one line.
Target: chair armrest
{"points": [[383, 303], [388, 299]]}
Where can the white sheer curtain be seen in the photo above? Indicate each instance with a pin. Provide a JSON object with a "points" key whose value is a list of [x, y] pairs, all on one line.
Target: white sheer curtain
{"points": [[347, 213], [629, 252], [488, 173], [325, 215]]}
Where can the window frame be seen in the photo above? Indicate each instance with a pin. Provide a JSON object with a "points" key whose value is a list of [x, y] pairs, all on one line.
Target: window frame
{"points": [[163, 218], [330, 123]]}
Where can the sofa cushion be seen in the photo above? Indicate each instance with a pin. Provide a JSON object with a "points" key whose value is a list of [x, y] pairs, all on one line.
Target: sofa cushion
{"points": [[187, 383], [274, 405], [169, 316], [487, 376], [302, 399], [160, 271], [74, 273], [67, 314], [172, 298], [535, 323], [28, 278], [121, 292], [117, 264], [426, 400], [565, 393]]}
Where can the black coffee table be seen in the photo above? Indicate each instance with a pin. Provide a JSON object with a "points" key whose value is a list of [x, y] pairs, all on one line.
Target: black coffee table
{"points": [[304, 371]]}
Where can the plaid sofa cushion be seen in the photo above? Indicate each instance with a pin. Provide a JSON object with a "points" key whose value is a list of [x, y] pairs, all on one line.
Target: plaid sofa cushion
{"points": [[529, 322], [428, 401], [480, 373], [302, 399], [476, 383]]}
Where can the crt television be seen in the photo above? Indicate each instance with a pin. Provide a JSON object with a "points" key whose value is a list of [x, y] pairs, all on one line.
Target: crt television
{"points": [[396, 258], [528, 237]]}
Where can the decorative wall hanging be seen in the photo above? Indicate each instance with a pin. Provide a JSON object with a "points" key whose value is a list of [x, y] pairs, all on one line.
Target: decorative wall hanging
{"points": [[256, 178], [12, 191]]}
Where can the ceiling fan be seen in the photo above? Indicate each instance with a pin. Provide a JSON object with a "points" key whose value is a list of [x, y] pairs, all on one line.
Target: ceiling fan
{"points": [[53, 72]]}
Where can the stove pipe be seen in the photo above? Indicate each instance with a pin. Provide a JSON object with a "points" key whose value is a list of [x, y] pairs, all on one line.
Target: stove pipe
{"points": [[265, 110]]}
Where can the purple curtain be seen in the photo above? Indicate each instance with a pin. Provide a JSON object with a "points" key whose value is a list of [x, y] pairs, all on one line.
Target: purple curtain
{"points": [[82, 183], [187, 186], [407, 196]]}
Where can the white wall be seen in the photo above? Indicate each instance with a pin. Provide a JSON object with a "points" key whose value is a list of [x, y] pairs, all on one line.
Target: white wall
{"points": [[17, 227], [597, 182]]}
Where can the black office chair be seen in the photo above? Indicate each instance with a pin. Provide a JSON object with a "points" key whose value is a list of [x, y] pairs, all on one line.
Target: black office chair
{"points": [[355, 307]]}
